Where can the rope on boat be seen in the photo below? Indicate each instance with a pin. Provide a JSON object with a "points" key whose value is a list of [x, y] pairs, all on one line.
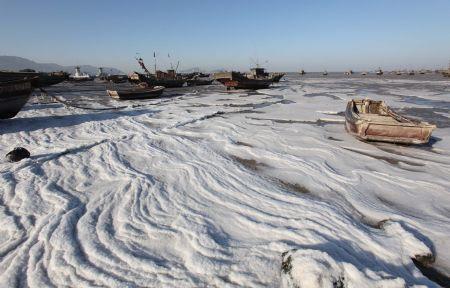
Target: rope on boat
{"points": [[68, 104]]}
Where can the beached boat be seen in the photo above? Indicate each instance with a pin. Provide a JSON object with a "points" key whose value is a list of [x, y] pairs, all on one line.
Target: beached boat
{"points": [[169, 79], [375, 121], [13, 96], [153, 80], [136, 93], [39, 79], [80, 77], [237, 80]]}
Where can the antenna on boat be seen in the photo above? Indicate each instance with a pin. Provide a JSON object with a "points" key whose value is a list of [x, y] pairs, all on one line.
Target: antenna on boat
{"points": [[154, 57], [176, 69], [256, 62], [171, 65]]}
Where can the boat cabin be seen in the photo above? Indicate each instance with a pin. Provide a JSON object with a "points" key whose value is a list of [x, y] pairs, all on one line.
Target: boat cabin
{"points": [[258, 72]]}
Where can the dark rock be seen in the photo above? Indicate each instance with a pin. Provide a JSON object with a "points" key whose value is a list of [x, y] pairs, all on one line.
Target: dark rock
{"points": [[17, 154]]}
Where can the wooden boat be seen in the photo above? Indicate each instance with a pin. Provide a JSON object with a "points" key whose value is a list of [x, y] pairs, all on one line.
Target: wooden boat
{"points": [[136, 93], [375, 121], [237, 80], [13, 96], [39, 79]]}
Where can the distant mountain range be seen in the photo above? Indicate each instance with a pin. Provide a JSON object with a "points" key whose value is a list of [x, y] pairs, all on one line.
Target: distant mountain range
{"points": [[14, 63]]}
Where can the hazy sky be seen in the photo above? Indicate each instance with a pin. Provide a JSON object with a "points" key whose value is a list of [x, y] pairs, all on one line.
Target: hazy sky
{"points": [[290, 35]]}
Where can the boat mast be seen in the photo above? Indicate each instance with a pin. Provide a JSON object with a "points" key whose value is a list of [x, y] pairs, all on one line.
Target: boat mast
{"points": [[154, 57]]}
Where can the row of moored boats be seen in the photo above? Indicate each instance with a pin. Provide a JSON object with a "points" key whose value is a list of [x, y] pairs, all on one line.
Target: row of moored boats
{"points": [[366, 119]]}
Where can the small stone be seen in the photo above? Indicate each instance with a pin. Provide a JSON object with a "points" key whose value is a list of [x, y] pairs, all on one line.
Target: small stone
{"points": [[17, 154]]}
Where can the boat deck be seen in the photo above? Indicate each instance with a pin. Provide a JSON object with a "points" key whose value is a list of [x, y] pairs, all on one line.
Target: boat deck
{"points": [[385, 119]]}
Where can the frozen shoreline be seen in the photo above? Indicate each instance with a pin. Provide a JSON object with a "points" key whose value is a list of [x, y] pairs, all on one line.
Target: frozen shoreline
{"points": [[211, 188]]}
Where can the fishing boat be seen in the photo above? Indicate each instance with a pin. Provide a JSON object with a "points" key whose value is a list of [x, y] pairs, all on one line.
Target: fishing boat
{"points": [[238, 80], [169, 79], [364, 73], [136, 93], [325, 73], [39, 79], [379, 72], [374, 121], [13, 96], [80, 77], [349, 72], [411, 72], [302, 72]]}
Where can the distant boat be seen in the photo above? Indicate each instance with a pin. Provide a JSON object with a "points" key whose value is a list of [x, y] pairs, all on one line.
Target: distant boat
{"points": [[101, 76], [80, 77], [364, 73], [136, 93], [411, 72], [374, 121], [239, 80], [13, 96], [276, 77], [379, 72], [398, 73], [422, 72], [169, 79], [302, 72], [325, 73], [349, 72]]}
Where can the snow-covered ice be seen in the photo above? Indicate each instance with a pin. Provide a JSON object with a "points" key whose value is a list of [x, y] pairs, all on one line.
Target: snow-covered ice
{"points": [[214, 189]]}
